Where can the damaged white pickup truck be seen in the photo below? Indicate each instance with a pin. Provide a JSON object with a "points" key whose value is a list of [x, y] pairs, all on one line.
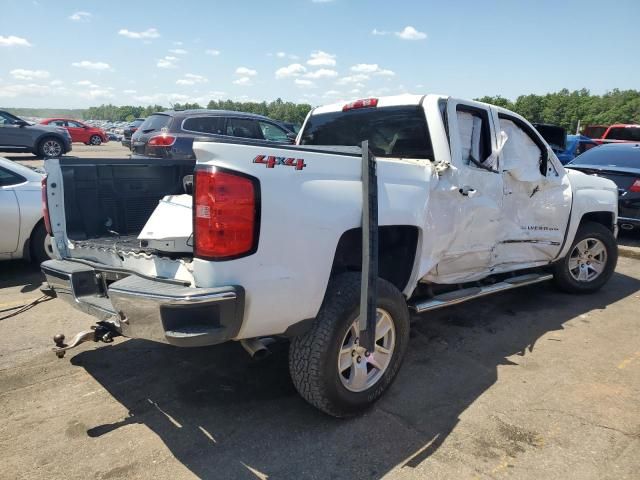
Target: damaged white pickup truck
{"points": [[255, 241]]}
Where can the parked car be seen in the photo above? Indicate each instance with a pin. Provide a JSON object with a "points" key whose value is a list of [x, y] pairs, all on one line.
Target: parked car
{"points": [[170, 134], [594, 131], [575, 145], [18, 135], [258, 240], [114, 136], [129, 130], [79, 131], [620, 133], [620, 163], [23, 232]]}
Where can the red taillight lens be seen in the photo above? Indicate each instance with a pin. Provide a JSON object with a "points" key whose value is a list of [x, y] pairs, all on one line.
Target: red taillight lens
{"points": [[225, 215], [636, 186], [362, 103], [45, 207], [162, 141]]}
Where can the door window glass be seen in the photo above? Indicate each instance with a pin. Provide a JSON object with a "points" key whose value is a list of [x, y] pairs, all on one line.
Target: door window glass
{"points": [[72, 124], [8, 178], [520, 151], [244, 128], [5, 119], [214, 125], [475, 137], [273, 133]]}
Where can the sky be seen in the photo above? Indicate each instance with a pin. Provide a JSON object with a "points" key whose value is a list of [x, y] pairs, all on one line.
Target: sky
{"points": [[75, 54]]}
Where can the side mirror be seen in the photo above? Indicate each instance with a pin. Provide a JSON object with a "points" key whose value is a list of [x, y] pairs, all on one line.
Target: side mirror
{"points": [[21, 123], [292, 136]]}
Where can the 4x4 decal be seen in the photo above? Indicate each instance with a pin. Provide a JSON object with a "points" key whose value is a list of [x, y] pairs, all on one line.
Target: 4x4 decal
{"points": [[271, 161]]}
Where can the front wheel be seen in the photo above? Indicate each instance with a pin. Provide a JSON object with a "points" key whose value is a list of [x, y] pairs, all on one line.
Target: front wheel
{"points": [[590, 262], [95, 140], [41, 248], [328, 366]]}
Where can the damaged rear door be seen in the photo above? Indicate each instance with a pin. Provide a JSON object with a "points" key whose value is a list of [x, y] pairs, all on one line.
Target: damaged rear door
{"points": [[537, 197]]}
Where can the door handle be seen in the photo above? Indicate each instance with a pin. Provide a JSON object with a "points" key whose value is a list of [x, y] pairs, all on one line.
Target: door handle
{"points": [[468, 191]]}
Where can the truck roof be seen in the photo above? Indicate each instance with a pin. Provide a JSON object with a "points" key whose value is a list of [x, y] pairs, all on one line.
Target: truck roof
{"points": [[388, 101]]}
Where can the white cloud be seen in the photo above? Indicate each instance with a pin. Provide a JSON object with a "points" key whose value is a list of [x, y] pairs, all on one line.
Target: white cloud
{"points": [[322, 1], [80, 17], [320, 58], [147, 34], [24, 89], [246, 72], [13, 41], [55, 83], [178, 51], [322, 73], [95, 93], [178, 44], [357, 78], [22, 74], [244, 81], [84, 82], [372, 68], [213, 52], [293, 70], [129, 92], [281, 54], [191, 79], [92, 65], [167, 62], [331, 93], [375, 31], [304, 83], [410, 33]]}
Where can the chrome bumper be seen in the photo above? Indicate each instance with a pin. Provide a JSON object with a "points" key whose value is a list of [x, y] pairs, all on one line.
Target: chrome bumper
{"points": [[150, 309]]}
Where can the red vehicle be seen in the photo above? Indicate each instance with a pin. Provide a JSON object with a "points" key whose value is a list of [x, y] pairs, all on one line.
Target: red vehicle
{"points": [[620, 133], [79, 131]]}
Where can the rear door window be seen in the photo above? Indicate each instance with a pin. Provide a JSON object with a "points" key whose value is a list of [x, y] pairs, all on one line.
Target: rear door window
{"points": [[244, 128], [212, 125], [155, 123], [391, 131]]}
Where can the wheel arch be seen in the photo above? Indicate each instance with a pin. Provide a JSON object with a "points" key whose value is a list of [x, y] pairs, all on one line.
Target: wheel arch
{"points": [[397, 248], [26, 248], [605, 218], [44, 136]]}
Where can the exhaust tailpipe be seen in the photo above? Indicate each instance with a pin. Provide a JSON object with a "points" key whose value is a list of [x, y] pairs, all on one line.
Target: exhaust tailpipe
{"points": [[626, 226], [256, 347]]}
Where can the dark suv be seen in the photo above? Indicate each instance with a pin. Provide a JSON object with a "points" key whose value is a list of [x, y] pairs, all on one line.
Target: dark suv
{"points": [[129, 130], [170, 134]]}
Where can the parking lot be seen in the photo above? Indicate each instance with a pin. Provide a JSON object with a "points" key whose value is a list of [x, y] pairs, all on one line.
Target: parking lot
{"points": [[529, 384]]}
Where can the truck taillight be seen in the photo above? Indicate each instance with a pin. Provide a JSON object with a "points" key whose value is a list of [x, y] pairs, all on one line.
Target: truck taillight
{"points": [[162, 141], [45, 207], [636, 186], [362, 103], [225, 214]]}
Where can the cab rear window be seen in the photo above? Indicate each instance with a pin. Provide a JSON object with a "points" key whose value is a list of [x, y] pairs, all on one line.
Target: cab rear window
{"points": [[391, 131]]}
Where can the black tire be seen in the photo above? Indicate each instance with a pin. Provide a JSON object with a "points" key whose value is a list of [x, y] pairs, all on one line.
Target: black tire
{"points": [[45, 147], [40, 244], [95, 140], [562, 275], [313, 357]]}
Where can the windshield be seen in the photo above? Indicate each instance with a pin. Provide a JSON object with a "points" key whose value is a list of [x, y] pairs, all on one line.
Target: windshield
{"points": [[391, 131], [631, 134], [623, 156]]}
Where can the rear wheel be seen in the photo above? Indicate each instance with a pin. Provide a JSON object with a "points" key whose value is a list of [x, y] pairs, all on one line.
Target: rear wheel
{"points": [[95, 140], [50, 147], [329, 367], [590, 262], [40, 243]]}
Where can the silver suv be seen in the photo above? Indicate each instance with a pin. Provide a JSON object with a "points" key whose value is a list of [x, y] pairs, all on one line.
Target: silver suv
{"points": [[17, 135]]}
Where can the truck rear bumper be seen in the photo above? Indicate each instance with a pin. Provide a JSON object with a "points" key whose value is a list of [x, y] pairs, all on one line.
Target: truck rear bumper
{"points": [[149, 309]]}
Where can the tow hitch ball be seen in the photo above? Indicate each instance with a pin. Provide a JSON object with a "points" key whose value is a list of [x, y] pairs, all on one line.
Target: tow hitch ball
{"points": [[102, 332]]}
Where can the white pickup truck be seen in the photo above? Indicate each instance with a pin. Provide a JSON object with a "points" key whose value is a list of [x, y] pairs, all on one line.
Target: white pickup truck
{"points": [[471, 201]]}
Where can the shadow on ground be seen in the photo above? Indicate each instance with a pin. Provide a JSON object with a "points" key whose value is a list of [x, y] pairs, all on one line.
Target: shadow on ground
{"points": [[19, 272], [224, 416]]}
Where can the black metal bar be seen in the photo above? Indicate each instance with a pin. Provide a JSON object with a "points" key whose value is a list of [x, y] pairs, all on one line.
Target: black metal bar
{"points": [[368, 286]]}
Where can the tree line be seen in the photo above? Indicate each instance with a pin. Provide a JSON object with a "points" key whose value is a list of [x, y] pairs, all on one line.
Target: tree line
{"points": [[278, 110], [566, 108]]}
